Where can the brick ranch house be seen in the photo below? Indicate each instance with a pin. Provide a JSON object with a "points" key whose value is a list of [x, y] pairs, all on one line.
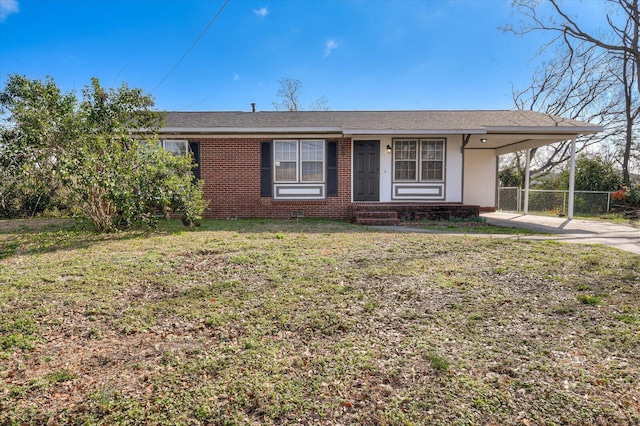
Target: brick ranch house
{"points": [[374, 166]]}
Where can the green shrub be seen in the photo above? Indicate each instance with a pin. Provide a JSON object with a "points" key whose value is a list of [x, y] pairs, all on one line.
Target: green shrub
{"points": [[99, 158]]}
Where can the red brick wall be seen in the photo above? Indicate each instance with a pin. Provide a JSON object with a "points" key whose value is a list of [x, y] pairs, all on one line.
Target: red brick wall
{"points": [[230, 168]]}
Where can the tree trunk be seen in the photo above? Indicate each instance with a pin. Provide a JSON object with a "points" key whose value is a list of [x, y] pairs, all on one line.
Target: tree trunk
{"points": [[627, 81]]}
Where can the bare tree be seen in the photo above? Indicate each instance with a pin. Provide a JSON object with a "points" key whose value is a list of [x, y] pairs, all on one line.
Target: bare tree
{"points": [[616, 44], [631, 113], [576, 84], [622, 36], [320, 104], [289, 92]]}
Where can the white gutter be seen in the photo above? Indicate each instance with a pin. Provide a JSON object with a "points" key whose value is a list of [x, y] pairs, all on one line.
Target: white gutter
{"points": [[551, 130], [544, 129], [268, 130], [414, 132]]}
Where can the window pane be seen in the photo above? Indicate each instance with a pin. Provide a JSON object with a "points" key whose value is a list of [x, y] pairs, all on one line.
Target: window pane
{"points": [[405, 170], [286, 151], [312, 161], [432, 170], [432, 150], [286, 171], [405, 156], [432, 156], [312, 151], [405, 150], [286, 161], [312, 171], [179, 148]]}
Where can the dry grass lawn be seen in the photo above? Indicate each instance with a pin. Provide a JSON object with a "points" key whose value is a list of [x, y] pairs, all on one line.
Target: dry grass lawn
{"points": [[313, 322]]}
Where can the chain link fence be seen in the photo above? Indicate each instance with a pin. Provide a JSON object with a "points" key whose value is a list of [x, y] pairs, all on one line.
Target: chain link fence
{"points": [[550, 201]]}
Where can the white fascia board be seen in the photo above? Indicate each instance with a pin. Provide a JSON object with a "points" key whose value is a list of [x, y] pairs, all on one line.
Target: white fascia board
{"points": [[249, 130], [414, 132], [529, 144], [569, 130]]}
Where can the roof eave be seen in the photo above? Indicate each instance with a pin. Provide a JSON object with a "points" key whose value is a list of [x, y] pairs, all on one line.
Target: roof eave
{"points": [[249, 130], [414, 131], [569, 130], [266, 130]]}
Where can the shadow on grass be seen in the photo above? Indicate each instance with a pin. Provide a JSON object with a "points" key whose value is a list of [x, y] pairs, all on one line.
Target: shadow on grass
{"points": [[24, 236], [305, 225], [43, 236]]}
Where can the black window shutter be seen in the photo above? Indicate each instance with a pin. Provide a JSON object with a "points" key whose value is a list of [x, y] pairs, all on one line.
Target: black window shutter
{"points": [[332, 169], [265, 169], [194, 147]]}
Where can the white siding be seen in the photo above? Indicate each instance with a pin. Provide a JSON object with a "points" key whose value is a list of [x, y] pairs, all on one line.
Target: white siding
{"points": [[480, 180], [453, 191]]}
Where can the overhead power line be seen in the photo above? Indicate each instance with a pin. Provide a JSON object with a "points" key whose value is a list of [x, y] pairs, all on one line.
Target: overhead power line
{"points": [[192, 45]]}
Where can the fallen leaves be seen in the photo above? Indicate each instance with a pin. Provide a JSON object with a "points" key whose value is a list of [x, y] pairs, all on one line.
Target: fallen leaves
{"points": [[324, 328]]}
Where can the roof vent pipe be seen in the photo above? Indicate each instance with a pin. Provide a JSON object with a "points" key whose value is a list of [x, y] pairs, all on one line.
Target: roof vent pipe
{"points": [[253, 107]]}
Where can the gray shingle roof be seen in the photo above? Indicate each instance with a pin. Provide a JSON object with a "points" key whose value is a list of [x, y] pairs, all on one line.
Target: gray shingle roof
{"points": [[345, 121]]}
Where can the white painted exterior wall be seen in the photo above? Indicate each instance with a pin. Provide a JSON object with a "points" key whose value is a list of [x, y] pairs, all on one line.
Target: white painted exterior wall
{"points": [[453, 165], [480, 177], [454, 169]]}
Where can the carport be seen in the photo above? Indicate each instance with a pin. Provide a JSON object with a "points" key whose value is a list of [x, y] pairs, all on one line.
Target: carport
{"points": [[508, 139]]}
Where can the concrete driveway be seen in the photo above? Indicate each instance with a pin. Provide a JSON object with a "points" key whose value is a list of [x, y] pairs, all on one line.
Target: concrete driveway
{"points": [[572, 230]]}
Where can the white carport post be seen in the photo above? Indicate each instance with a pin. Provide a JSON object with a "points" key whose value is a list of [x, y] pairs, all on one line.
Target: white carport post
{"points": [[572, 177], [526, 181]]}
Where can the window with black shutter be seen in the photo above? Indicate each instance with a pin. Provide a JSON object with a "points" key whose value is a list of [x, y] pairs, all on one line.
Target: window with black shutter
{"points": [[265, 169], [299, 169], [194, 147], [332, 169]]}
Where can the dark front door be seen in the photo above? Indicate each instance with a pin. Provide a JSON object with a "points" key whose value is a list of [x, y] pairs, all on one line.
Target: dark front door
{"points": [[366, 171]]}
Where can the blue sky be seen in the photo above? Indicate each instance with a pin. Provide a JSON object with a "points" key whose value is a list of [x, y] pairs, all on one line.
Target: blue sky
{"points": [[360, 55]]}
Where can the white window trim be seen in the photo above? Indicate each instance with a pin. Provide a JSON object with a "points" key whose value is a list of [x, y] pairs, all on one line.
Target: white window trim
{"points": [[419, 160], [184, 141], [299, 162]]}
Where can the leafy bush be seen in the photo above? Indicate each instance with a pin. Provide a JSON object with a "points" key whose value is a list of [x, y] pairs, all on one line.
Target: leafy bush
{"points": [[33, 136], [91, 157], [592, 173], [117, 188], [510, 177]]}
